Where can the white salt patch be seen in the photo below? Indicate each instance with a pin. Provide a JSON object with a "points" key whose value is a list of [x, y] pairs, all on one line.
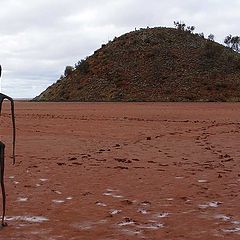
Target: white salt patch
{"points": [[179, 177], [58, 201], [202, 181], [11, 177], [232, 230], [15, 182], [131, 232], [107, 193], [101, 204], [126, 223], [58, 192], [117, 196], [43, 179], [142, 211], [169, 199], [115, 211], [145, 203], [84, 226], [33, 219], [22, 199], [162, 215], [236, 222], [38, 185], [112, 195], [69, 198], [210, 204], [214, 204], [222, 217], [111, 190], [153, 226]]}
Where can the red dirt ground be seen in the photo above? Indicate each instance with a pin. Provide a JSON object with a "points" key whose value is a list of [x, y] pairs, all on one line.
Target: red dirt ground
{"points": [[118, 171]]}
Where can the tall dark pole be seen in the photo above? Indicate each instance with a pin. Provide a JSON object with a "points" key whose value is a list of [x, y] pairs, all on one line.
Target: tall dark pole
{"points": [[2, 147], [0, 77]]}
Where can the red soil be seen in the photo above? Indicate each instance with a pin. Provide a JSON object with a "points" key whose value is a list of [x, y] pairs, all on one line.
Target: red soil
{"points": [[123, 171]]}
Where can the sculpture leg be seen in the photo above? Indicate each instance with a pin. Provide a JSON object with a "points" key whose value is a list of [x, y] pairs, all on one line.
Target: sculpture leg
{"points": [[2, 147]]}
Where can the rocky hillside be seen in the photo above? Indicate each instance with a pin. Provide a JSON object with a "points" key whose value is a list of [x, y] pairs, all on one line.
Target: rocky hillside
{"points": [[157, 64]]}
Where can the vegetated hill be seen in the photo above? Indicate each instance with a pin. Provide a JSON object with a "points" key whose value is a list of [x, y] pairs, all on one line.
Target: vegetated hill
{"points": [[154, 64]]}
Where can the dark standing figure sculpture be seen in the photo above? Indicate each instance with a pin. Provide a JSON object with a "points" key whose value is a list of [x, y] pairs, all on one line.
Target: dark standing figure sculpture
{"points": [[2, 148]]}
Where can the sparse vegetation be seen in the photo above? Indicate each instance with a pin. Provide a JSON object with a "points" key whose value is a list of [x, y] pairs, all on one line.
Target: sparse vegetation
{"points": [[83, 66], [180, 25], [183, 27], [233, 42], [68, 70], [201, 35], [211, 37]]}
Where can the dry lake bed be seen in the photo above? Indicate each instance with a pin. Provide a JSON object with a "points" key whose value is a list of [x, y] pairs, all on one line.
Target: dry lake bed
{"points": [[123, 171]]}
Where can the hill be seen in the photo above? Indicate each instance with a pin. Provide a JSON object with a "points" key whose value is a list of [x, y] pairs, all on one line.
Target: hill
{"points": [[154, 64]]}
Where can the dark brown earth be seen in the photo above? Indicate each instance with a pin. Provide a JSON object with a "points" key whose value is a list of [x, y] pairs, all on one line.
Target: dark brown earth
{"points": [[123, 171]]}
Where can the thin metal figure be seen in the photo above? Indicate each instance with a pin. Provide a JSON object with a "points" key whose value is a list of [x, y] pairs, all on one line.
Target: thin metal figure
{"points": [[2, 148]]}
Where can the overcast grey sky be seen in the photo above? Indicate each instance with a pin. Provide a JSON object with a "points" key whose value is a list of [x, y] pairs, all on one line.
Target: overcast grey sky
{"points": [[38, 38]]}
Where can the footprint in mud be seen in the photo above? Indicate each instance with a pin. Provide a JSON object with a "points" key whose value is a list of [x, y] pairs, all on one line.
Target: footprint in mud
{"points": [[117, 146], [122, 160], [120, 167], [128, 202]]}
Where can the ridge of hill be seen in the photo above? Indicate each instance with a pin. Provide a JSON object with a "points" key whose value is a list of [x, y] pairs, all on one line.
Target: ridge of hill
{"points": [[153, 64]]}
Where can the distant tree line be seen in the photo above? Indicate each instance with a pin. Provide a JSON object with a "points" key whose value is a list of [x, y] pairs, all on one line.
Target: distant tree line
{"points": [[233, 42], [181, 26], [82, 66]]}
